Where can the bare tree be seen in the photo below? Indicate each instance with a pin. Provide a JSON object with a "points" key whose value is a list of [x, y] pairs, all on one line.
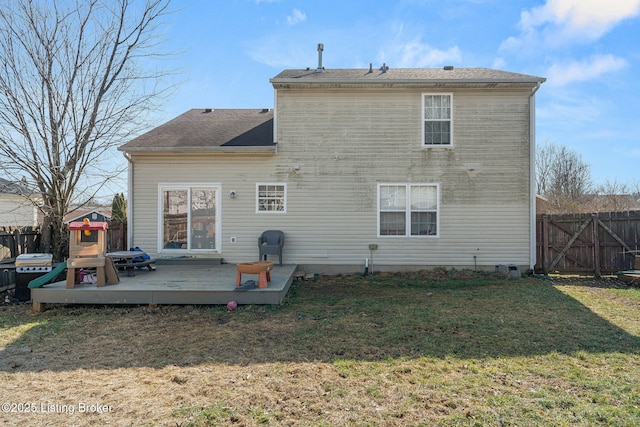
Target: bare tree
{"points": [[563, 177], [615, 196], [76, 79], [545, 158]]}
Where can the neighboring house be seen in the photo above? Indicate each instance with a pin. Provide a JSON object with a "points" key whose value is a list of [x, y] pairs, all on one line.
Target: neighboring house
{"points": [[405, 168], [18, 208], [94, 215]]}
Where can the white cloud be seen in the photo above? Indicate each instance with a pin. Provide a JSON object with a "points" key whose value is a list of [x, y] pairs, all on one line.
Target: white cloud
{"points": [[562, 111], [512, 44], [582, 15], [499, 63], [576, 71], [355, 46], [296, 17], [579, 18], [416, 54], [565, 22]]}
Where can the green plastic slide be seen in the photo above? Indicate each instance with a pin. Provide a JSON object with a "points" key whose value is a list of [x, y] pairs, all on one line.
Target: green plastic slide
{"points": [[47, 278]]}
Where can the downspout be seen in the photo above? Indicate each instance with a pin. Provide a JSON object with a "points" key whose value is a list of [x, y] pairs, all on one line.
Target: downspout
{"points": [[275, 118], [532, 176], [129, 201]]}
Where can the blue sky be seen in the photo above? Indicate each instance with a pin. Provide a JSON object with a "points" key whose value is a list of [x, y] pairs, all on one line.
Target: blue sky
{"points": [[589, 51]]}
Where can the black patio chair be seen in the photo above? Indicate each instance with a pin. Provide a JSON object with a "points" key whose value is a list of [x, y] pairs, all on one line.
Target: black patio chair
{"points": [[271, 242]]}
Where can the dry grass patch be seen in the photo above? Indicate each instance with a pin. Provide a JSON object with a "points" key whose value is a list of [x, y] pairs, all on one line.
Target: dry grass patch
{"points": [[431, 348]]}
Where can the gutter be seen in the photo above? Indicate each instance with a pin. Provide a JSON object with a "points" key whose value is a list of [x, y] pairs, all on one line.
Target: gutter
{"points": [[129, 200], [375, 78], [532, 175], [275, 119], [241, 149], [409, 84]]}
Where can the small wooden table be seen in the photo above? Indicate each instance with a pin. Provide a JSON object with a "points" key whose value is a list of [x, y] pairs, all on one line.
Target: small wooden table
{"points": [[261, 268], [128, 260]]}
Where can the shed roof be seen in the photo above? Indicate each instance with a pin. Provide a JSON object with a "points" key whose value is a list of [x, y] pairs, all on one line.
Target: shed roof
{"points": [[404, 77], [198, 130], [78, 214]]}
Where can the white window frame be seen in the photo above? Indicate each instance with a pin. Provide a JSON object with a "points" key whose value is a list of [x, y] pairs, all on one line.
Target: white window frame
{"points": [[162, 187], [450, 119], [277, 184], [408, 211]]}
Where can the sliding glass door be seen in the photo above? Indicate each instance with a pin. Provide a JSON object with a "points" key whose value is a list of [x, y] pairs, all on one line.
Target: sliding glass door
{"points": [[189, 218]]}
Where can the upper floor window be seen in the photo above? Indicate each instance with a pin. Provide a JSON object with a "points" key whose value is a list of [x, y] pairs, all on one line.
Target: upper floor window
{"points": [[436, 110], [271, 198]]}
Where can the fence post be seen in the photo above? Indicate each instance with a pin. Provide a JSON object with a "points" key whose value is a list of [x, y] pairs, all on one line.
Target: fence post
{"points": [[596, 245], [18, 244], [545, 244]]}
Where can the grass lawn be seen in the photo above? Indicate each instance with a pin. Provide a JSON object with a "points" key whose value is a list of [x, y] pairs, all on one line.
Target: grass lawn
{"points": [[420, 349]]}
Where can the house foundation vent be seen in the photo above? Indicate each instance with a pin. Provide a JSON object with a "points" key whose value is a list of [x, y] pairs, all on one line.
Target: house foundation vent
{"points": [[512, 270]]}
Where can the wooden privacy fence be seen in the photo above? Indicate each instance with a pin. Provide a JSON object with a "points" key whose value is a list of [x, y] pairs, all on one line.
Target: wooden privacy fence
{"points": [[16, 241], [117, 237], [598, 243]]}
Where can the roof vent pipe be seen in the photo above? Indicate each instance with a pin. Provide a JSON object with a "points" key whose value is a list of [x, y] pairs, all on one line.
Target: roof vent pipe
{"points": [[320, 49]]}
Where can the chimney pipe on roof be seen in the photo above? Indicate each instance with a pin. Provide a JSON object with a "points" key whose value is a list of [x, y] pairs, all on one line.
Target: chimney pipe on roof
{"points": [[320, 49]]}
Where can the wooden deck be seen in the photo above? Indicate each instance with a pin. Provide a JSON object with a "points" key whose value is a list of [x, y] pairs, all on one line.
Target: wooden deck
{"points": [[631, 276], [197, 284]]}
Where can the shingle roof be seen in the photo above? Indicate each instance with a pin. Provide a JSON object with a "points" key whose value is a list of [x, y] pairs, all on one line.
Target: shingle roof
{"points": [[8, 187], [209, 130], [79, 213], [448, 76]]}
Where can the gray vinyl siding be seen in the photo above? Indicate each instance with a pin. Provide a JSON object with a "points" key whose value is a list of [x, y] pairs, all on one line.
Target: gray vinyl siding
{"points": [[346, 143], [17, 211]]}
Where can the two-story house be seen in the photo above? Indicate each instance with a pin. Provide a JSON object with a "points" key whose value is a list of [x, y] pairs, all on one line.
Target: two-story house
{"points": [[18, 207], [398, 168]]}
